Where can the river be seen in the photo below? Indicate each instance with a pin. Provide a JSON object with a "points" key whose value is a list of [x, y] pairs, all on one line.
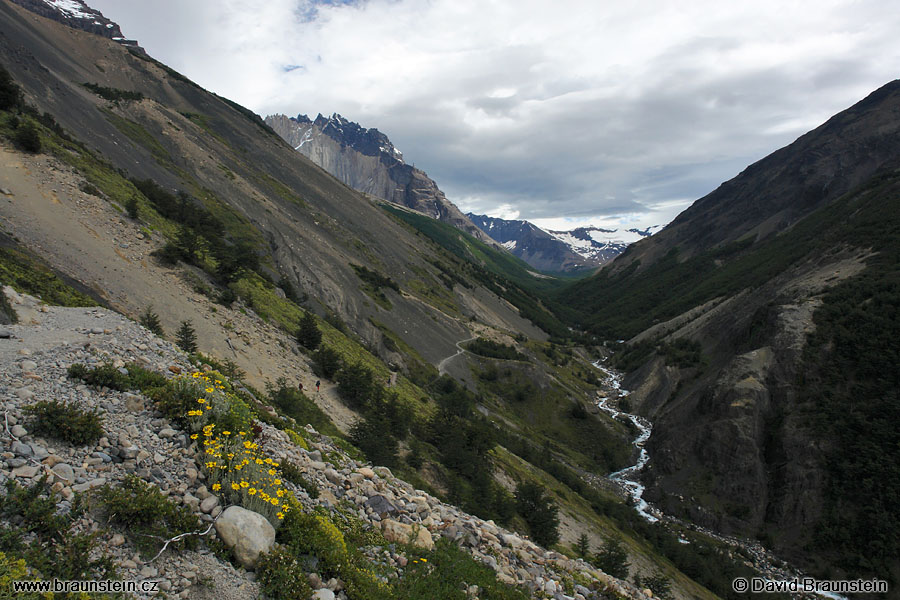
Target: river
{"points": [[629, 480]]}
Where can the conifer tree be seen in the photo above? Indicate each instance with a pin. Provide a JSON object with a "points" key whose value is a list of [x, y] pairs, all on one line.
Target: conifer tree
{"points": [[613, 559], [150, 320], [186, 337], [540, 512], [583, 545], [309, 335]]}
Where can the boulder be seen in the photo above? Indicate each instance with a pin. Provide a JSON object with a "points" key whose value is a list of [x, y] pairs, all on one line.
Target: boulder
{"points": [[381, 506], [65, 473], [401, 533], [248, 533]]}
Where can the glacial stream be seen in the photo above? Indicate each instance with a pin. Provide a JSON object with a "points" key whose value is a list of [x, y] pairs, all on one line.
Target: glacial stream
{"points": [[628, 477], [629, 480]]}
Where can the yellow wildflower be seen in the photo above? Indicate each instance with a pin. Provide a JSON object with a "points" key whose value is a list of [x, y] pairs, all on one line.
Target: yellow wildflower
{"points": [[216, 487], [277, 482], [273, 501], [271, 471], [235, 486], [252, 491], [244, 484]]}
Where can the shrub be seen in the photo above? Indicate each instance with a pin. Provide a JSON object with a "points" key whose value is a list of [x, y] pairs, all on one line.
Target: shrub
{"points": [[314, 534], [113, 94], [292, 473], [106, 375], [227, 297], [281, 575], [143, 379], [89, 188], [27, 137], [145, 515], [68, 422], [186, 337], [492, 349], [45, 538]]}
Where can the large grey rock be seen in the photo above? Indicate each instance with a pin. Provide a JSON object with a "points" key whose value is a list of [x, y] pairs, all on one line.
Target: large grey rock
{"points": [[381, 506], [65, 473], [248, 533], [208, 504], [323, 594], [21, 449]]}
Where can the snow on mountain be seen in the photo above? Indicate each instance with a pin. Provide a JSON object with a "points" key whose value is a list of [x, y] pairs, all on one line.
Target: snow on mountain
{"points": [[560, 251]]}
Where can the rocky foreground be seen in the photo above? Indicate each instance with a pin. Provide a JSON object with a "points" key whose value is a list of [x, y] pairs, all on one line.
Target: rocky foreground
{"points": [[34, 358]]}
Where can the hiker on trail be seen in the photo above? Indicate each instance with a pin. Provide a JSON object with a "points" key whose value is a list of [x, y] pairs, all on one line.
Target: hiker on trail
{"points": [[317, 386], [300, 385]]}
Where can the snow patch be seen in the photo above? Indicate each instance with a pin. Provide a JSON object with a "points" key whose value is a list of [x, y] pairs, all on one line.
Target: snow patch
{"points": [[510, 245], [71, 9]]}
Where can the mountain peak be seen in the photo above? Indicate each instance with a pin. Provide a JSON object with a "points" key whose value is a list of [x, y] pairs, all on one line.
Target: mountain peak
{"points": [[366, 160], [559, 251], [78, 15], [370, 142]]}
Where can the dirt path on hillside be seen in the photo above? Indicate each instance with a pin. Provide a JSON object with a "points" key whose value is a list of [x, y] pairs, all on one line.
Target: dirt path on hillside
{"points": [[86, 238]]}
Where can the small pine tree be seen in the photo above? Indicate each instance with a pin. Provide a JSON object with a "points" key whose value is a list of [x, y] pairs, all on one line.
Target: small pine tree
{"points": [[583, 545], [309, 335], [150, 320], [540, 512], [612, 559], [132, 207], [186, 337]]}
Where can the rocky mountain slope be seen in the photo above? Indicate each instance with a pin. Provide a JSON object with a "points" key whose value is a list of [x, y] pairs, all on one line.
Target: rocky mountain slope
{"points": [[138, 441], [155, 193], [367, 161], [756, 313], [773, 194], [170, 134], [78, 15], [559, 251]]}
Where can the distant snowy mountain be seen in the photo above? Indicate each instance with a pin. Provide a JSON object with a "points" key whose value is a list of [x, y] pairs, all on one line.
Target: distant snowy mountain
{"points": [[560, 251], [602, 245], [78, 15]]}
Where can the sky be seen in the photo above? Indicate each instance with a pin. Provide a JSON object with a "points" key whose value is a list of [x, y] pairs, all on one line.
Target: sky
{"points": [[565, 113]]}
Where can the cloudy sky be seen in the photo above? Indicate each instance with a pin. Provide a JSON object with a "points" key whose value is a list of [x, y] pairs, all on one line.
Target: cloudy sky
{"points": [[565, 112]]}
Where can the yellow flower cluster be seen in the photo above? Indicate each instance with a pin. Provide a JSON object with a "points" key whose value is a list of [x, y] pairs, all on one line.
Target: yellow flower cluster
{"points": [[233, 462]]}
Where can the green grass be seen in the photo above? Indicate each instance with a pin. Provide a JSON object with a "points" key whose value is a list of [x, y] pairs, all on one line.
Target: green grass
{"points": [[139, 135], [27, 273]]}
